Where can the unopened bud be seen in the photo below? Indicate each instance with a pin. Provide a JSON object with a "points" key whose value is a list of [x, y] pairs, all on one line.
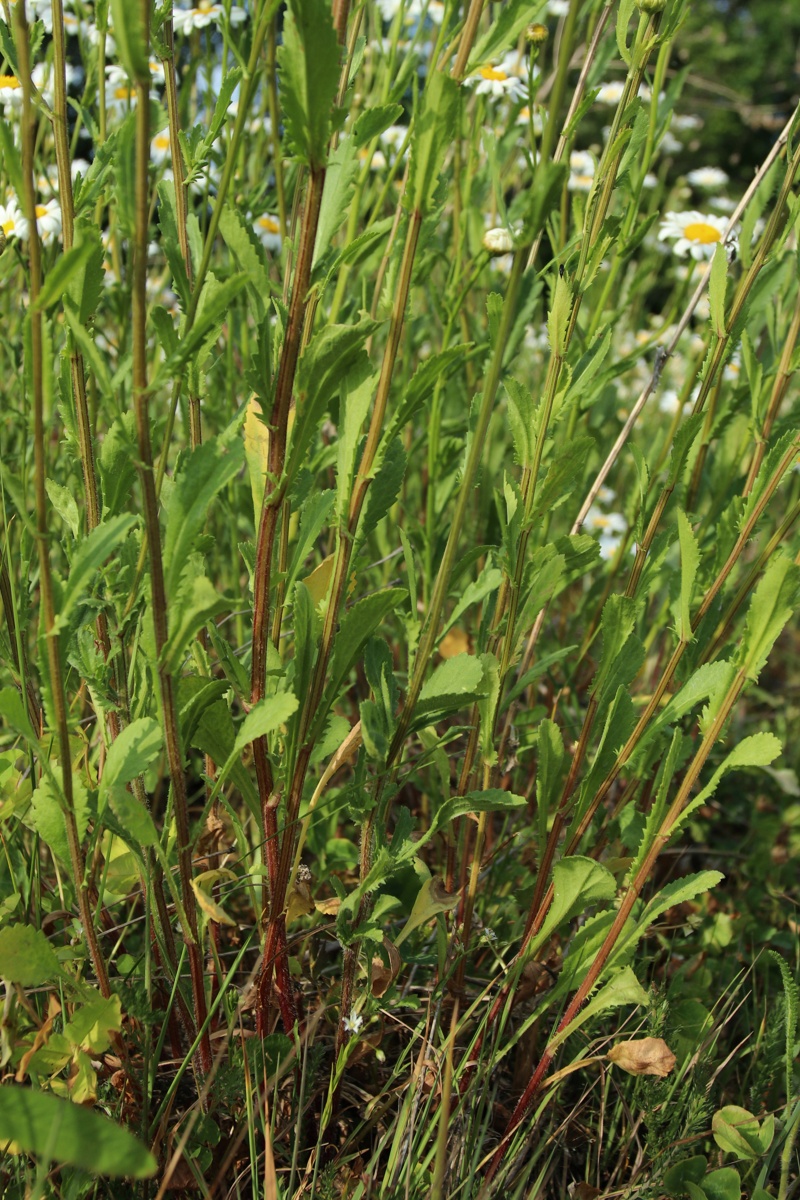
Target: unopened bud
{"points": [[497, 241], [536, 34], [651, 6]]}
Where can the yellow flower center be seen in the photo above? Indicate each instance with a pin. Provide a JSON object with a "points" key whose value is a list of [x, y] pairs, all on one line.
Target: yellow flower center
{"points": [[269, 224], [123, 93], [9, 81], [7, 226], [493, 73], [161, 141], [41, 211], [700, 231]]}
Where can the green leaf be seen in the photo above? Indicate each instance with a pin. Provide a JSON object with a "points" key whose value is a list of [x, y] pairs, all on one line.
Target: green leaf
{"points": [[690, 560], [215, 303], [337, 195], [309, 61], [90, 556], [564, 474], [263, 718], [456, 682], [168, 221], [512, 19], [384, 489], [131, 39], [12, 162], [682, 444], [46, 814], [15, 714], [624, 14], [358, 625], [133, 817], [202, 474], [68, 266], [434, 132], [523, 422], [131, 753], [758, 750], [550, 766], [737, 1131], [774, 602], [716, 289], [63, 502], [373, 121], [93, 1023], [577, 883], [26, 957], [431, 900], [688, 1169], [193, 604], [723, 1184], [623, 988], [86, 344], [330, 356], [249, 254], [433, 371], [558, 316], [357, 392], [56, 1130], [681, 891]]}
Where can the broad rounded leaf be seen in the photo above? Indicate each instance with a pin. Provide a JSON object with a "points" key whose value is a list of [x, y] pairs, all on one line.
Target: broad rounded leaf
{"points": [[56, 1130], [26, 956]]}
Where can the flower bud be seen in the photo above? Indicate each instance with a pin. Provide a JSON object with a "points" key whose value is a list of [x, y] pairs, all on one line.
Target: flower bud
{"points": [[537, 34], [497, 241], [651, 6]]}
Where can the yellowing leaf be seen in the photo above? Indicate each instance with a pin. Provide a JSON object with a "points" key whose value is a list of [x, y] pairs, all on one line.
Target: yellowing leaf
{"points": [[209, 906], [644, 1056], [431, 900], [299, 902], [455, 642], [319, 580], [256, 448]]}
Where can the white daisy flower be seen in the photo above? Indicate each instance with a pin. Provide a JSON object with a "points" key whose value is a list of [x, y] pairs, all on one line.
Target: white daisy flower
{"points": [[708, 178], [269, 230], [581, 171], [524, 118], [610, 527], [610, 93], [120, 92], [184, 20], [48, 221], [160, 148], [557, 8], [685, 123], [503, 79], [693, 232], [670, 144], [10, 92], [394, 137], [12, 222]]}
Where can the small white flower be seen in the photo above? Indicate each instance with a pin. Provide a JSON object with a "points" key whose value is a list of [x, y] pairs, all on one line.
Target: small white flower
{"points": [[160, 151], [670, 144], [610, 93], [376, 161], [10, 92], [48, 221], [581, 171], [610, 527], [502, 79], [557, 8], [685, 123], [693, 233], [524, 118], [498, 241], [12, 222], [353, 1023], [269, 230], [708, 178], [120, 93], [184, 20]]}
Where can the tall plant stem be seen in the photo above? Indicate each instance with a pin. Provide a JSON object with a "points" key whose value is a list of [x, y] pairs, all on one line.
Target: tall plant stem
{"points": [[265, 546], [623, 913], [28, 134], [780, 386], [344, 548], [150, 506]]}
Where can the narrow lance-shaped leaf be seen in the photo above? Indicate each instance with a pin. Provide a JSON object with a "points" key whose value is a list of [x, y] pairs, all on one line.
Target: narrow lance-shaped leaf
{"points": [[309, 60], [716, 289], [433, 135], [690, 559], [773, 603]]}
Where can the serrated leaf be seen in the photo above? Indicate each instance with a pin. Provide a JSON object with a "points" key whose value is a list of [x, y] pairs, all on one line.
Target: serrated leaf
{"points": [[690, 560], [559, 313], [193, 604], [716, 289], [67, 267], [432, 138], [134, 819], [202, 474], [622, 988], [682, 444], [131, 39], [131, 752], [246, 249], [357, 392], [309, 61], [374, 121], [384, 489], [522, 419], [358, 625], [63, 502], [774, 602], [256, 449], [26, 957], [504, 31], [337, 195], [92, 553], [264, 718], [57, 1130]]}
